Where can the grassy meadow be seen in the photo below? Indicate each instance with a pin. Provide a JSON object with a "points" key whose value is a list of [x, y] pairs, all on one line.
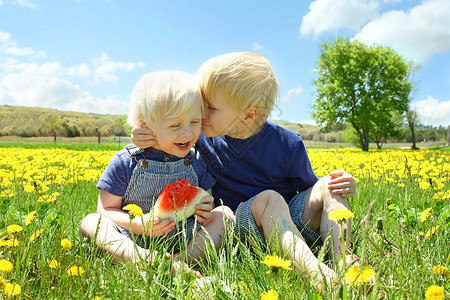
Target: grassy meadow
{"points": [[399, 231]]}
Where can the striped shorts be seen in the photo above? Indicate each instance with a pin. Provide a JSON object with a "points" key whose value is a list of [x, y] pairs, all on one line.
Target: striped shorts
{"points": [[245, 224]]}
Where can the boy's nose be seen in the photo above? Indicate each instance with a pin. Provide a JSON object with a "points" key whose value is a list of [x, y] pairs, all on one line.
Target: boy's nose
{"points": [[187, 132]]}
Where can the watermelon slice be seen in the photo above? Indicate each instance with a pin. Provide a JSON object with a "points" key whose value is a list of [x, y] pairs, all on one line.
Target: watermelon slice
{"points": [[177, 200]]}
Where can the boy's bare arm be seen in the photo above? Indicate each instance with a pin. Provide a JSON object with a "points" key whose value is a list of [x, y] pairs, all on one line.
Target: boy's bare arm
{"points": [[342, 183], [110, 206]]}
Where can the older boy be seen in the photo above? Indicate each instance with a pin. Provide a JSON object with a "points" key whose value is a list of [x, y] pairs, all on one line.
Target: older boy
{"points": [[262, 170]]}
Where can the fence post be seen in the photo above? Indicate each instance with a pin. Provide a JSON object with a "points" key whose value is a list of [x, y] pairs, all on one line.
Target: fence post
{"points": [[448, 135]]}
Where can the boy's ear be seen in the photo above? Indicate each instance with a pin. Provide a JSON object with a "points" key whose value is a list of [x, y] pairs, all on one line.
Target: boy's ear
{"points": [[251, 115]]}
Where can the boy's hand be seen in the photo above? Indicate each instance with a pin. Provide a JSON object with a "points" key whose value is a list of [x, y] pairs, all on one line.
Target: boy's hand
{"points": [[143, 137], [203, 211], [156, 227], [342, 183]]}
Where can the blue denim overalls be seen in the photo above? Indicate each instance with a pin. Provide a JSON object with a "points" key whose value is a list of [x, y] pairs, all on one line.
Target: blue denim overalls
{"points": [[147, 181]]}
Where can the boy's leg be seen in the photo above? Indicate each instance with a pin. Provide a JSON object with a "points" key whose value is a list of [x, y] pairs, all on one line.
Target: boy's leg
{"points": [[319, 202], [110, 240], [214, 229], [273, 219]]}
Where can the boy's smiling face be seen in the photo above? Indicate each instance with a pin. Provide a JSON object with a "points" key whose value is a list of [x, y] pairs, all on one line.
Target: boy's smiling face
{"points": [[176, 136], [219, 118]]}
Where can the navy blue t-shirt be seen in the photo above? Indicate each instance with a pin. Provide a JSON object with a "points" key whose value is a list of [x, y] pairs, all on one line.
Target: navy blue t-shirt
{"points": [[117, 175], [274, 159]]}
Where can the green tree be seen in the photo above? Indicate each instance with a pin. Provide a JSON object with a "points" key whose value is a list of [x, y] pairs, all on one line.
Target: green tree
{"points": [[386, 127], [360, 85], [412, 120]]}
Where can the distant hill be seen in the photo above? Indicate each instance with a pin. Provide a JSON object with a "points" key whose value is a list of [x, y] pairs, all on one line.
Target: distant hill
{"points": [[37, 121]]}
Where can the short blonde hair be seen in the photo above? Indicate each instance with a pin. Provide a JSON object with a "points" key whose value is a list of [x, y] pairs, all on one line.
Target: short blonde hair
{"points": [[247, 79], [162, 94]]}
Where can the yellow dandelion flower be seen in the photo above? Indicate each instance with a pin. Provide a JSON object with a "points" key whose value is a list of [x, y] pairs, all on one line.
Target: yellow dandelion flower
{"points": [[401, 185], [53, 264], [441, 270], [36, 234], [66, 244], [425, 214], [133, 210], [12, 289], [29, 188], [340, 215], [273, 261], [30, 217], [7, 193], [6, 265], [435, 292], [13, 228], [240, 285], [424, 185], [388, 201], [9, 243], [75, 271], [269, 295], [359, 275], [432, 231]]}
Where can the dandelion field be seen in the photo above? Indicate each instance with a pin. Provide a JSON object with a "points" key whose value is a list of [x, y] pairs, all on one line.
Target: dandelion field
{"points": [[399, 232]]}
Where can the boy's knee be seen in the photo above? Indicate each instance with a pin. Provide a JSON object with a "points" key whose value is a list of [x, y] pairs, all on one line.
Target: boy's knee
{"points": [[266, 201], [222, 214], [89, 223]]}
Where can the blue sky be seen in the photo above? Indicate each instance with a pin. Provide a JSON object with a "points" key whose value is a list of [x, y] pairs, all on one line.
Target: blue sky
{"points": [[87, 55]]}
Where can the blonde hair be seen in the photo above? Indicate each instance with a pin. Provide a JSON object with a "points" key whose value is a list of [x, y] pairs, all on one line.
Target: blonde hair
{"points": [[162, 94], [247, 79]]}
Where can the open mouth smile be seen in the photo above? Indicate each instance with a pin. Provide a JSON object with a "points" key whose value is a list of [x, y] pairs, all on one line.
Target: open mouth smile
{"points": [[183, 146]]}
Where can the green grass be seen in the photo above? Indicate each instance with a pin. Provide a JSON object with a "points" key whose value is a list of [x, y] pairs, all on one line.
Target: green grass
{"points": [[403, 271]]}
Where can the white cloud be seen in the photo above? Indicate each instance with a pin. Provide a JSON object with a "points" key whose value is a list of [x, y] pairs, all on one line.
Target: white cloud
{"points": [[433, 112], [416, 34], [40, 85], [257, 47], [295, 91], [286, 99], [25, 3], [8, 46], [49, 84], [326, 15], [104, 68]]}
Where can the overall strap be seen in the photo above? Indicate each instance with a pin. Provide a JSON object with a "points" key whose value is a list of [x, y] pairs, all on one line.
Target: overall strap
{"points": [[135, 150]]}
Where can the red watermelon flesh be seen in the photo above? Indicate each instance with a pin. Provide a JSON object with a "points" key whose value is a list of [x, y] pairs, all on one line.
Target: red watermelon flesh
{"points": [[177, 200]]}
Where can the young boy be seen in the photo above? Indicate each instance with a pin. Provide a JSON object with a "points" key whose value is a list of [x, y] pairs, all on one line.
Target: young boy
{"points": [[262, 170], [170, 103]]}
